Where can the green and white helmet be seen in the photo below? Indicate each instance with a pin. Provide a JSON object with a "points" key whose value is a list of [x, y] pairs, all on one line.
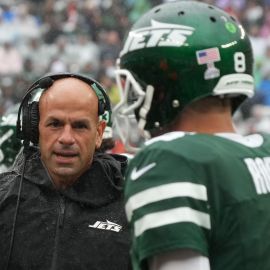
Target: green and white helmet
{"points": [[177, 53], [9, 144]]}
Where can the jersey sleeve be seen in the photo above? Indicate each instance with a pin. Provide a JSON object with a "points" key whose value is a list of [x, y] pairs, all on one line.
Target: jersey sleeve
{"points": [[179, 259], [166, 204]]}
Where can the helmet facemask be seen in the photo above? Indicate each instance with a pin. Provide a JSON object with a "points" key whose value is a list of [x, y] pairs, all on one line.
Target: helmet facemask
{"points": [[135, 103]]}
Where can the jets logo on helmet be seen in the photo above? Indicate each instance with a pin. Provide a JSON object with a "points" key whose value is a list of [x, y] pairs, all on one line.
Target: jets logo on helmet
{"points": [[175, 54], [158, 34]]}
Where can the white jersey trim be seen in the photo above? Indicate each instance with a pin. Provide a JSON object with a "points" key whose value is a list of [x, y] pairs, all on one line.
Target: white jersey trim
{"points": [[163, 192], [167, 137], [171, 216], [252, 141]]}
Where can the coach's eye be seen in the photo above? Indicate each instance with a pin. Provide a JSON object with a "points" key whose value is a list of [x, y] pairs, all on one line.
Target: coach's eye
{"points": [[80, 125], [54, 123]]}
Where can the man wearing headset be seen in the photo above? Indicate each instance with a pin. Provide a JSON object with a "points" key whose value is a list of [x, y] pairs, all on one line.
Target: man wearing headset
{"points": [[61, 205]]}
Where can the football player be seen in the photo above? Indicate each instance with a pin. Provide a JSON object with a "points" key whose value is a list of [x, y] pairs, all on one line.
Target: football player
{"points": [[197, 193]]}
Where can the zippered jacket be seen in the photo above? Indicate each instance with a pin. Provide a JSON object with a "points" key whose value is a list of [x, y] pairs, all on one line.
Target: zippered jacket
{"points": [[81, 227]]}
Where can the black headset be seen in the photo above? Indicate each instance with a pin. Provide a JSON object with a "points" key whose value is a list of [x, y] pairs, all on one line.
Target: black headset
{"points": [[28, 114]]}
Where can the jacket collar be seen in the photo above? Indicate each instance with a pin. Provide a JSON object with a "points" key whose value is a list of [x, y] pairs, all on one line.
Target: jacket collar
{"points": [[101, 184]]}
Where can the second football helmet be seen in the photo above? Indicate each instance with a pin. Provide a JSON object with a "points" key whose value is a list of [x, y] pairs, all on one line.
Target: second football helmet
{"points": [[9, 144]]}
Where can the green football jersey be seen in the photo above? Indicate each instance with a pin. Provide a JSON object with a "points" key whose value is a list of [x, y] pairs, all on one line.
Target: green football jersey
{"points": [[208, 193]]}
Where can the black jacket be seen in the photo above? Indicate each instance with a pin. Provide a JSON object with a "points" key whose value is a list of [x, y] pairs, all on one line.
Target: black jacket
{"points": [[82, 227]]}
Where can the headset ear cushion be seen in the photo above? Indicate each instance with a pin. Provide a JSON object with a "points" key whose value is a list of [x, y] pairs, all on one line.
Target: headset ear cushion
{"points": [[30, 120], [34, 121], [101, 107], [25, 123]]}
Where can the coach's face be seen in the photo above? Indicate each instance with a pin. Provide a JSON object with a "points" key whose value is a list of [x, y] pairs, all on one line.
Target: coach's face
{"points": [[69, 129]]}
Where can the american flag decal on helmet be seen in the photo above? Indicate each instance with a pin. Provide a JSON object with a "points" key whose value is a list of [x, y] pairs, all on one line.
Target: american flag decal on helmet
{"points": [[208, 56]]}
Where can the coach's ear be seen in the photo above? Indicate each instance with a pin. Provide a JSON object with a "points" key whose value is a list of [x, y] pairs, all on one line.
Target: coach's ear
{"points": [[100, 130]]}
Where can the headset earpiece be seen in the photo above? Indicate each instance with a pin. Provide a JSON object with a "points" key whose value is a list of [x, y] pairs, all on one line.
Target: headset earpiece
{"points": [[101, 107], [34, 120], [30, 120]]}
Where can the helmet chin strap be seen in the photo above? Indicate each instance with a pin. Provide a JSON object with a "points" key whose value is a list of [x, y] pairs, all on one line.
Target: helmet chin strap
{"points": [[149, 93]]}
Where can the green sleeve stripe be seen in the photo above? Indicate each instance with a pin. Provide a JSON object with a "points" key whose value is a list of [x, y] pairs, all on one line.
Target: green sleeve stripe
{"points": [[171, 216], [163, 192]]}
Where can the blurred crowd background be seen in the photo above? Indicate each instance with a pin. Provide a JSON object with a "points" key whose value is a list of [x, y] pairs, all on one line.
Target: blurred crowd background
{"points": [[85, 36]]}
